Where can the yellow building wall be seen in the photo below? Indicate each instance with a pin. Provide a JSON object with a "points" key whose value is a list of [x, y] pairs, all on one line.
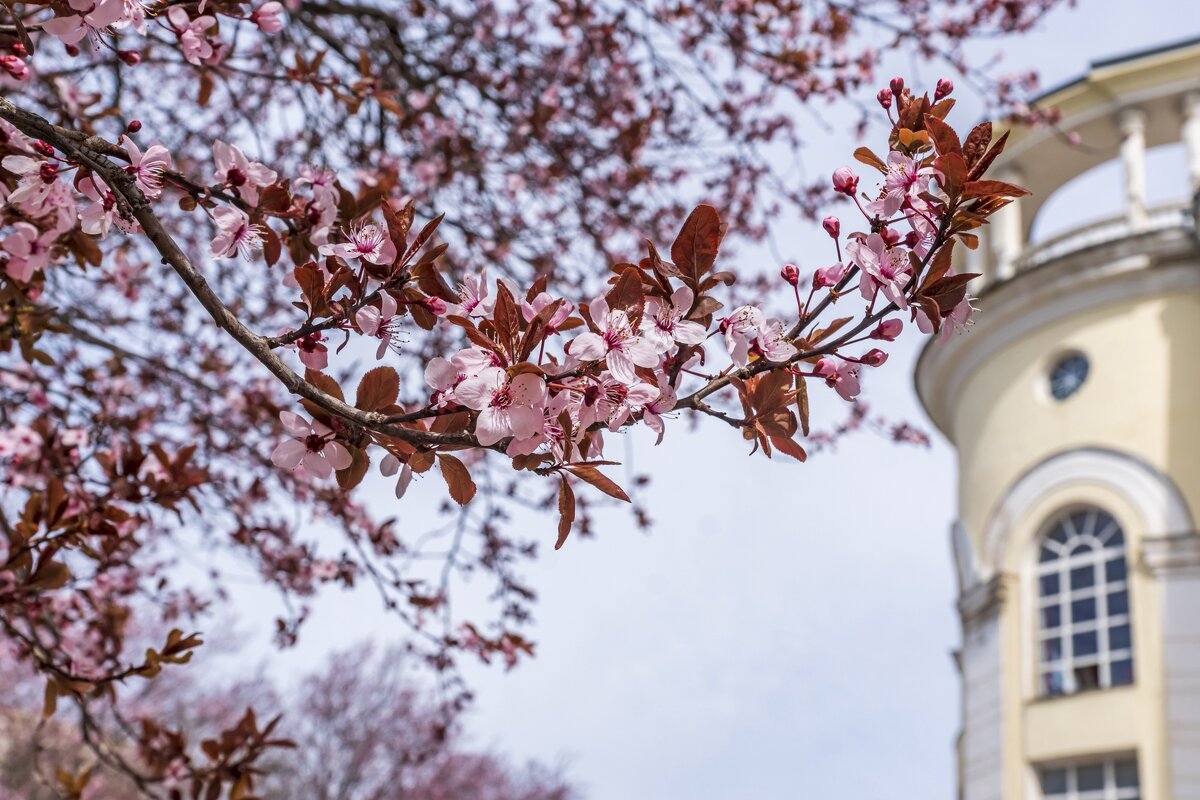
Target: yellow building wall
{"points": [[1142, 397]]}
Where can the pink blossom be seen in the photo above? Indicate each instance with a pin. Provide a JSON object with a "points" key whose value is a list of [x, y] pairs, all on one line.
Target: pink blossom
{"points": [[379, 322], [368, 242], [313, 354], [147, 168], [652, 413], [611, 402], [905, 179], [473, 298], [748, 333], [617, 343], [442, 376], [663, 322], [266, 17], [959, 319], [235, 233], [829, 276], [20, 443], [506, 407], [883, 267], [312, 447], [843, 376], [88, 19], [192, 34], [888, 330], [389, 466], [239, 173], [28, 250], [38, 179], [530, 309], [324, 570], [845, 181], [551, 431], [98, 217]]}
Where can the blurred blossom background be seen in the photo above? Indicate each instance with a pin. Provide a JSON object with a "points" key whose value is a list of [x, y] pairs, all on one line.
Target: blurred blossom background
{"points": [[806, 651]]}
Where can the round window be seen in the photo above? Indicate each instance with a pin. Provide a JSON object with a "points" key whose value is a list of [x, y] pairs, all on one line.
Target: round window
{"points": [[1068, 375]]}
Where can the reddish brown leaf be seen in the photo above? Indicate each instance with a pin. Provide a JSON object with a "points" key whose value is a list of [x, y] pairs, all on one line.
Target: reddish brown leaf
{"points": [[866, 156], [992, 188], [379, 388], [695, 249], [944, 137], [593, 476], [566, 511], [458, 479]]}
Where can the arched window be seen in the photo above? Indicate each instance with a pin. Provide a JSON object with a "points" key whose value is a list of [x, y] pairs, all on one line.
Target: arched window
{"points": [[1084, 636]]}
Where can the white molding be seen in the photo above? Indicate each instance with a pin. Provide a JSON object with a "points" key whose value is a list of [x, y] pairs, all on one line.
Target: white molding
{"points": [[1034, 300], [1155, 497]]}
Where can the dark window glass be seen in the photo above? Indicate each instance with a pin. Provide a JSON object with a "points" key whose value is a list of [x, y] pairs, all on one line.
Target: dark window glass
{"points": [[1115, 570], [1118, 637], [1087, 678], [1052, 683], [1118, 603], [1052, 649], [1054, 781], [1049, 584], [1047, 555], [1084, 644], [1051, 617], [1116, 537], [1083, 577], [1060, 535], [1122, 672], [1127, 774], [1081, 548], [1090, 778], [1083, 610], [1067, 376]]}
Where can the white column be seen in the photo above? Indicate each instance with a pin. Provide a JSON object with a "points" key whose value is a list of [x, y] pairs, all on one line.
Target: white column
{"points": [[1132, 124], [1174, 561], [1191, 138], [1007, 234]]}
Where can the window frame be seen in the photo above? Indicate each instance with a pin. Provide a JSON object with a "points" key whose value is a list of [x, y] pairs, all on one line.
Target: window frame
{"points": [[1108, 791], [1108, 542]]}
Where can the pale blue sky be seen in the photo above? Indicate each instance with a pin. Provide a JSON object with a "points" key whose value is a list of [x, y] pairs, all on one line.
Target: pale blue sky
{"points": [[804, 651]]}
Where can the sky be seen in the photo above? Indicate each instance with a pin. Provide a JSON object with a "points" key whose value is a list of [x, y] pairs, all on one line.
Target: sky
{"points": [[799, 649]]}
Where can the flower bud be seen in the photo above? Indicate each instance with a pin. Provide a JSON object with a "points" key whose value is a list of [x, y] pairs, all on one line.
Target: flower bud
{"points": [[134, 126], [891, 236], [45, 148], [888, 330], [912, 239], [828, 276], [72, 50], [832, 226], [791, 274], [48, 172], [14, 66], [18, 49], [436, 306], [130, 57], [885, 98], [944, 88], [875, 358], [845, 181], [897, 85]]}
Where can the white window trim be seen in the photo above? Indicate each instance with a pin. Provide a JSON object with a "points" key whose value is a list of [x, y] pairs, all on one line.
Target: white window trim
{"points": [[1110, 791]]}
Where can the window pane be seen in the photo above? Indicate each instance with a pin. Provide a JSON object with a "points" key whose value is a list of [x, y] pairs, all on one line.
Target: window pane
{"points": [[1087, 678], [1115, 538], [1052, 649], [1090, 778], [1051, 617], [1084, 644], [1081, 548], [1118, 637], [1122, 672], [1083, 610], [1052, 683], [1059, 535], [1127, 775], [1049, 584], [1080, 521], [1083, 577], [1047, 554], [1054, 781], [1118, 603], [1115, 570]]}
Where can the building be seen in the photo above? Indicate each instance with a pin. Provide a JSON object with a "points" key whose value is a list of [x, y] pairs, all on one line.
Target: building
{"points": [[1074, 406]]}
